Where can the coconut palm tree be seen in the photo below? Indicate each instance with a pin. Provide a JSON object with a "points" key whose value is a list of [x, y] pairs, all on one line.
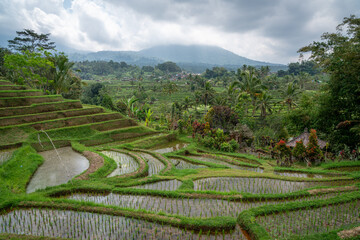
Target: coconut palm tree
{"points": [[264, 103], [289, 95]]}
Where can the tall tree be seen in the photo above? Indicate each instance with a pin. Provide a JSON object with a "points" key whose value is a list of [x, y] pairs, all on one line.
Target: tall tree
{"points": [[338, 54], [31, 41]]}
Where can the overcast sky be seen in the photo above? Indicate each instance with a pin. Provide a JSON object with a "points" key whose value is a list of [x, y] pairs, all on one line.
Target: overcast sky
{"points": [[265, 30]]}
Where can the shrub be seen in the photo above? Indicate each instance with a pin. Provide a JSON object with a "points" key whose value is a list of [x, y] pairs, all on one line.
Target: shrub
{"points": [[234, 145], [283, 149], [313, 151], [299, 150], [225, 147]]}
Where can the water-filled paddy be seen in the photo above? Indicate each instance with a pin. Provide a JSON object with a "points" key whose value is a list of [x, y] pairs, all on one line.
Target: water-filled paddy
{"points": [[213, 160], [299, 174], [190, 207], [5, 155], [126, 164], [181, 164], [258, 185], [170, 147], [155, 166], [309, 221], [170, 185], [55, 171], [84, 225]]}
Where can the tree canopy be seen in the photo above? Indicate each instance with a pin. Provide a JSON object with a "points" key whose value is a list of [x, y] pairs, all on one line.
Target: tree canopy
{"points": [[29, 40]]}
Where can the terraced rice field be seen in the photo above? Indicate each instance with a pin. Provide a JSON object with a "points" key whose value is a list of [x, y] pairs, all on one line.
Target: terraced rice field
{"points": [[5, 155], [190, 207], [170, 185], [57, 170], [155, 166], [301, 175], [308, 221], [126, 164], [257, 185], [84, 225], [170, 147], [212, 160], [181, 164]]}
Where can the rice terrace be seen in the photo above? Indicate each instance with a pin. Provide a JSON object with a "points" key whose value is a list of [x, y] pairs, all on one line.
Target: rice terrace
{"points": [[103, 149]]}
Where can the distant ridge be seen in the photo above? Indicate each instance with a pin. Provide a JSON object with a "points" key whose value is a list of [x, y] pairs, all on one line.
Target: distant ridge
{"points": [[195, 58]]}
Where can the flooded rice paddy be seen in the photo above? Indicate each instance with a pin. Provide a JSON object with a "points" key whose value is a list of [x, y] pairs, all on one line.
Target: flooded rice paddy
{"points": [[55, 171], [126, 164], [258, 185], [170, 147], [155, 166], [213, 160], [299, 174], [170, 185], [310, 221], [84, 225], [181, 164], [190, 207], [5, 155]]}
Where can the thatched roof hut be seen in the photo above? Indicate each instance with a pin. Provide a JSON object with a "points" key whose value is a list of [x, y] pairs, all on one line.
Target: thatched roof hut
{"points": [[305, 139]]}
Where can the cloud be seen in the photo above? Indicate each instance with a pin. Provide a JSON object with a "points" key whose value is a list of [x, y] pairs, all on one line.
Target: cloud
{"points": [[259, 29]]}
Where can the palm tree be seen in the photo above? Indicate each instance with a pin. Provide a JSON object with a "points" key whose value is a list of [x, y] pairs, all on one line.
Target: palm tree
{"points": [[264, 103], [62, 74], [289, 94], [207, 92], [248, 82]]}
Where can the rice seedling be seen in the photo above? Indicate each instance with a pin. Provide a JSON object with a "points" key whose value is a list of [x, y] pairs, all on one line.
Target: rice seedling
{"points": [[310, 221], [155, 166], [84, 225], [257, 185], [190, 207], [181, 164], [298, 174], [126, 164], [5, 155], [213, 160], [170, 185], [171, 148]]}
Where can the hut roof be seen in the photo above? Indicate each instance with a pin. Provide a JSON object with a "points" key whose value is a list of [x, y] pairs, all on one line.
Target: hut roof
{"points": [[305, 139]]}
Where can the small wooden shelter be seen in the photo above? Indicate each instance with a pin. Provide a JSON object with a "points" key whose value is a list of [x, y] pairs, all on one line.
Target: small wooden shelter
{"points": [[305, 139]]}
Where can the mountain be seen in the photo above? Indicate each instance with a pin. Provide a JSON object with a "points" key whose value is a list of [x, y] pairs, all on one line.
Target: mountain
{"points": [[195, 58]]}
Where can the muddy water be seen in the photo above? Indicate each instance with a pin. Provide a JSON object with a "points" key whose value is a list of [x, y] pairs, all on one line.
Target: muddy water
{"points": [[170, 185], [83, 225], [155, 166], [55, 172], [258, 185], [126, 164], [301, 175], [190, 207], [5, 155], [212, 160], [171, 147], [181, 164]]}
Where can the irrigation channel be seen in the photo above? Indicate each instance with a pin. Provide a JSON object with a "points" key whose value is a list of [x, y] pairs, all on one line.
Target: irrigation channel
{"points": [[51, 172], [258, 185], [190, 207], [125, 163], [85, 225], [5, 155]]}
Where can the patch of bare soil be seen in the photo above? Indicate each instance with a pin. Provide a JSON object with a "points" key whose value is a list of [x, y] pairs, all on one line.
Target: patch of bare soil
{"points": [[349, 233], [330, 190], [96, 162]]}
